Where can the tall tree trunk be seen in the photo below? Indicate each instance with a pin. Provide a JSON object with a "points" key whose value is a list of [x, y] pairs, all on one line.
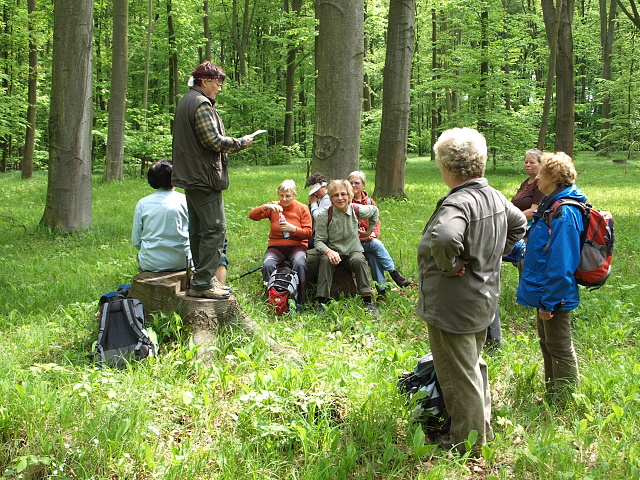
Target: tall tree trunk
{"points": [[484, 71], [296, 6], [114, 161], [396, 105], [240, 32], [174, 77], [434, 67], [340, 67], [68, 203], [30, 137], [565, 86], [207, 31], [551, 15], [607, 31], [145, 86]]}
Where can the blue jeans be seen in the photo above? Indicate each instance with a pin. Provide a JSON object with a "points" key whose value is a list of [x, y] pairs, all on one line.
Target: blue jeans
{"points": [[379, 261]]}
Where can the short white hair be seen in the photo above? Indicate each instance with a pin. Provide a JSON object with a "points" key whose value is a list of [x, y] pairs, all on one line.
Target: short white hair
{"points": [[358, 174], [288, 186], [462, 151]]}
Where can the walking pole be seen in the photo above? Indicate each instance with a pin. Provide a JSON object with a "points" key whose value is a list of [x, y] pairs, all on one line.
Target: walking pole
{"points": [[247, 273]]}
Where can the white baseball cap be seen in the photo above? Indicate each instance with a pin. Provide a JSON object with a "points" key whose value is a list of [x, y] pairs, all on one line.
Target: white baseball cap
{"points": [[316, 186]]}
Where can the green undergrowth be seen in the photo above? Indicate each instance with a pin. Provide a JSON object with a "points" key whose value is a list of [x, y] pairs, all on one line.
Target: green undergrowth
{"points": [[331, 410]]}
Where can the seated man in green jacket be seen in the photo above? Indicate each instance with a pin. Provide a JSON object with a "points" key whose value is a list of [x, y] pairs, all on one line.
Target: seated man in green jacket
{"points": [[338, 241]]}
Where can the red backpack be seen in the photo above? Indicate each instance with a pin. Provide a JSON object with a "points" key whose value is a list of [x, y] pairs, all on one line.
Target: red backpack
{"points": [[282, 287], [596, 242]]}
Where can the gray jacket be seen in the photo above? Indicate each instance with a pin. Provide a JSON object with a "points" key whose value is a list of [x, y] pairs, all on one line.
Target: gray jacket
{"points": [[473, 226]]}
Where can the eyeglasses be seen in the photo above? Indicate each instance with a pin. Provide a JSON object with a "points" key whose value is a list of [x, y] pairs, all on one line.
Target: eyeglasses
{"points": [[355, 183], [340, 194]]}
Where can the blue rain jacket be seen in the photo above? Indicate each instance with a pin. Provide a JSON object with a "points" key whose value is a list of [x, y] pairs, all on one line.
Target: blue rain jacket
{"points": [[548, 281]]}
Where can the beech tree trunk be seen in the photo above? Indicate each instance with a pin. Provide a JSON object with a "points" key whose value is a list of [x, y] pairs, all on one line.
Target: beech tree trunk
{"points": [[68, 203], [396, 105], [565, 86], [114, 161], [340, 73]]}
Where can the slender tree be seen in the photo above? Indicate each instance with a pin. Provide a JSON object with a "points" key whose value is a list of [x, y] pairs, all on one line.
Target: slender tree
{"points": [[340, 67], [551, 14], [607, 30], [392, 147], [68, 203], [296, 6], [114, 161], [30, 137]]}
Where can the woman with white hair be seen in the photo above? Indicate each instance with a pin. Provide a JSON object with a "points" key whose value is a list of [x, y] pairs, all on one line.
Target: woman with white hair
{"points": [[288, 236], [459, 260]]}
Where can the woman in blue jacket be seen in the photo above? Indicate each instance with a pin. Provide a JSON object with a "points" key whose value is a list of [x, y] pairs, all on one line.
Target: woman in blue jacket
{"points": [[548, 283]]}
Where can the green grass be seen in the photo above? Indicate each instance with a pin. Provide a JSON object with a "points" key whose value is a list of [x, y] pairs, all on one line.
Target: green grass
{"points": [[333, 414]]}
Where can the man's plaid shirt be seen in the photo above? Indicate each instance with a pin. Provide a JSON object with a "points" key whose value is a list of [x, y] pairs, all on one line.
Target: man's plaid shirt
{"points": [[211, 132]]}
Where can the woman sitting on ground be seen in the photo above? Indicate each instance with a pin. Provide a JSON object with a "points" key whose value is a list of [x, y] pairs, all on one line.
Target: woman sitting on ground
{"points": [[288, 239], [374, 250]]}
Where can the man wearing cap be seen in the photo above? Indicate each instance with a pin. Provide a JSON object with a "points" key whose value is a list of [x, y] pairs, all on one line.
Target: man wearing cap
{"points": [[200, 166]]}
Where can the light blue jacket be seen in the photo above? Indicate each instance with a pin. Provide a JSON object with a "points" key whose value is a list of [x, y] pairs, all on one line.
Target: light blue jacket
{"points": [[161, 231], [548, 281]]}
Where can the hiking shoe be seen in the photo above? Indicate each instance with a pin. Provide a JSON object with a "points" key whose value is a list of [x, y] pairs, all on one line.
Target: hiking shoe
{"points": [[400, 280], [212, 293], [321, 308], [215, 283]]}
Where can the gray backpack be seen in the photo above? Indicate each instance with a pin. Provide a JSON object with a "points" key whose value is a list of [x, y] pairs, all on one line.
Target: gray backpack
{"points": [[122, 336]]}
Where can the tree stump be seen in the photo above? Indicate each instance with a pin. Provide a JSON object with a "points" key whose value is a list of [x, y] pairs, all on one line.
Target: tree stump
{"points": [[165, 292]]}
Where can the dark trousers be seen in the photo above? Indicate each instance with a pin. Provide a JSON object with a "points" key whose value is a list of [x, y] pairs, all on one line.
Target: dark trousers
{"points": [[207, 229], [560, 361], [275, 257], [355, 262]]}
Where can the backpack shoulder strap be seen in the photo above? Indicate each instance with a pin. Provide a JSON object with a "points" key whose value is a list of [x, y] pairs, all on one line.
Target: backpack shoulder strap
{"points": [[143, 338], [104, 318], [554, 210], [329, 214]]}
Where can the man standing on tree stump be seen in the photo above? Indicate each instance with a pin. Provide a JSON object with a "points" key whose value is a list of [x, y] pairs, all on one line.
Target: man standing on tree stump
{"points": [[200, 166]]}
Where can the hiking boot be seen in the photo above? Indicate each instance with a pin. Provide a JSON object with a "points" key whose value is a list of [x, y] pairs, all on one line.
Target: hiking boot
{"points": [[215, 283], [321, 309], [399, 279], [213, 293]]}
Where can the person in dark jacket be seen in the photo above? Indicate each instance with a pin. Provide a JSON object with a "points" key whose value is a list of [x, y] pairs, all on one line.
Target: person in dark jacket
{"points": [[200, 166], [459, 260], [548, 283]]}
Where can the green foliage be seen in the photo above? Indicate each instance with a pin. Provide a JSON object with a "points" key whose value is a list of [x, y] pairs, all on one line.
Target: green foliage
{"points": [[333, 412]]}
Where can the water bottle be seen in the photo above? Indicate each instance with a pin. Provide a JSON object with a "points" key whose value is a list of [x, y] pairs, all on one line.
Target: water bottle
{"points": [[285, 235]]}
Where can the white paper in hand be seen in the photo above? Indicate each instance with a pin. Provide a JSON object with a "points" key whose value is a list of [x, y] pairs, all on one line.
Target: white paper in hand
{"points": [[257, 132]]}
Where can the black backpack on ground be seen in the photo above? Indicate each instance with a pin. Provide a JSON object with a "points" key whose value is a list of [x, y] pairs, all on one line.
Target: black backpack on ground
{"points": [[423, 384], [122, 336]]}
